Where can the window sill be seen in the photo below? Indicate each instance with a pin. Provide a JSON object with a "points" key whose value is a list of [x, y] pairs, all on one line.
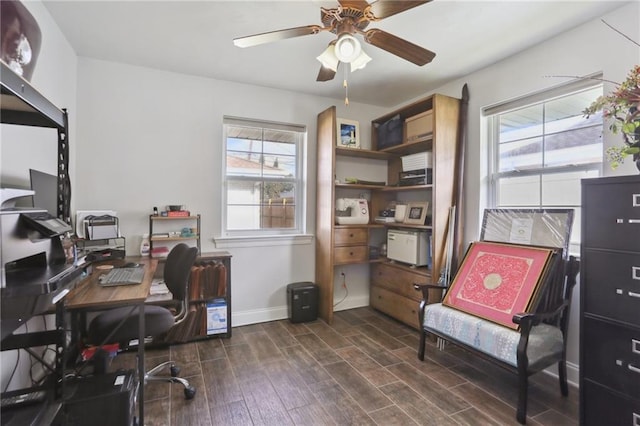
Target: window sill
{"points": [[265, 241]]}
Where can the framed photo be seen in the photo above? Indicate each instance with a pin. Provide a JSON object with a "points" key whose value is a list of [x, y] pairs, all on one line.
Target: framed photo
{"points": [[416, 213], [497, 280], [348, 133]]}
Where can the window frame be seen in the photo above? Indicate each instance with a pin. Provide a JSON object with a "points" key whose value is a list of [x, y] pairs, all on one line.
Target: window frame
{"points": [[282, 235], [491, 116]]}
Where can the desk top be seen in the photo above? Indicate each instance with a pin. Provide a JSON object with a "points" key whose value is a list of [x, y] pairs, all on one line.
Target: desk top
{"points": [[89, 294]]}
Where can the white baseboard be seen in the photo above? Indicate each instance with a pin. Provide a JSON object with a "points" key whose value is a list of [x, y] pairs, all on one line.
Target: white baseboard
{"points": [[573, 373], [257, 316]]}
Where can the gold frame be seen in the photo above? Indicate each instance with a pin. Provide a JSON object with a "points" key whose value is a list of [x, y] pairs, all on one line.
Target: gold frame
{"points": [[410, 216]]}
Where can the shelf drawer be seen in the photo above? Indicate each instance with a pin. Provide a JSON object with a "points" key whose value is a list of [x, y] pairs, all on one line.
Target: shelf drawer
{"points": [[612, 215], [611, 355], [350, 254], [350, 236], [601, 406], [398, 280], [401, 308], [612, 285]]}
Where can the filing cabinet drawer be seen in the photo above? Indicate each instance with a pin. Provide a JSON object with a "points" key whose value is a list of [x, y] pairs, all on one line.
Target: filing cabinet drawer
{"points": [[350, 254], [608, 408], [612, 355], [350, 236], [612, 285], [399, 307], [397, 280], [612, 215]]}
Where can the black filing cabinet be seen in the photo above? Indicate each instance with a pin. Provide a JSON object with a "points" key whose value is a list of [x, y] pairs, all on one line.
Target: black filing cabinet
{"points": [[610, 302]]}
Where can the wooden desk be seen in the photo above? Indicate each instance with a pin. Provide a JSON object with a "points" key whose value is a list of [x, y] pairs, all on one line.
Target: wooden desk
{"points": [[89, 295]]}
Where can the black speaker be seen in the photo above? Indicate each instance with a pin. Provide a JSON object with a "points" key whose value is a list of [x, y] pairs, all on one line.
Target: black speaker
{"points": [[302, 301], [100, 400]]}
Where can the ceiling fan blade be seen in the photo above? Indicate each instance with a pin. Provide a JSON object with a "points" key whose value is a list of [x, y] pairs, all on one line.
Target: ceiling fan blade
{"points": [[399, 47], [326, 74], [356, 4], [256, 39], [385, 8]]}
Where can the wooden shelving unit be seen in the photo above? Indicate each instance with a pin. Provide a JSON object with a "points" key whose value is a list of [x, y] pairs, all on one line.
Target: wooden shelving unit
{"points": [[392, 296]]}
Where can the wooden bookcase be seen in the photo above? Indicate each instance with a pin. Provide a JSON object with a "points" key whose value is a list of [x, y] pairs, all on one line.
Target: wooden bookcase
{"points": [[349, 244]]}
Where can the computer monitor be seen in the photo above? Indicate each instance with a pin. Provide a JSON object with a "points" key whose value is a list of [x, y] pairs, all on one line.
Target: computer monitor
{"points": [[45, 187]]}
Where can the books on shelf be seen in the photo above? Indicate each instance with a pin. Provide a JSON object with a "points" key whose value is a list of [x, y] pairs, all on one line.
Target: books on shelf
{"points": [[179, 213], [159, 252]]}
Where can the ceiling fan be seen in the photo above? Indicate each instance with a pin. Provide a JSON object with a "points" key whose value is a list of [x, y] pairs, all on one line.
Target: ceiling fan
{"points": [[351, 17]]}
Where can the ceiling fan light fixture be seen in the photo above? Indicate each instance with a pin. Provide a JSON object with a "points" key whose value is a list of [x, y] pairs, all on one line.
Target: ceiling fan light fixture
{"points": [[328, 58], [347, 48], [360, 62]]}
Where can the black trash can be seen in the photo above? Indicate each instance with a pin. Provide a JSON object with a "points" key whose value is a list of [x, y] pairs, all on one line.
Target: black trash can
{"points": [[302, 301]]}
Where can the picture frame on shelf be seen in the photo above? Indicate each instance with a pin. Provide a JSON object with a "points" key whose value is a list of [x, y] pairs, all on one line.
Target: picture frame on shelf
{"points": [[348, 133], [416, 213]]}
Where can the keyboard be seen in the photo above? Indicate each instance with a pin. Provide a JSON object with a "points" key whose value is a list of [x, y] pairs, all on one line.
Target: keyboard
{"points": [[122, 276]]}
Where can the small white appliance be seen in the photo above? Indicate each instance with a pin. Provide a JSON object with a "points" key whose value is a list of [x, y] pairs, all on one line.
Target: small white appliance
{"points": [[410, 247], [352, 211]]}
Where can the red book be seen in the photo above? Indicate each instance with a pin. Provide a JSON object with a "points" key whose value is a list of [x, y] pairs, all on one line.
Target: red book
{"points": [[179, 213]]}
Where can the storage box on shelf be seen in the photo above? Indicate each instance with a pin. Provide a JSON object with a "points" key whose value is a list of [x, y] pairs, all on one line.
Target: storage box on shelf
{"points": [[431, 132]]}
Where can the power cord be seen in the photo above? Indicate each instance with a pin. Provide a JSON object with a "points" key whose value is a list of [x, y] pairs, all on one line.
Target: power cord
{"points": [[346, 290]]}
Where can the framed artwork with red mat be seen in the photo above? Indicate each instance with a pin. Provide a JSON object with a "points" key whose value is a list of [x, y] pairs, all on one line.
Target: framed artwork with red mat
{"points": [[497, 280]]}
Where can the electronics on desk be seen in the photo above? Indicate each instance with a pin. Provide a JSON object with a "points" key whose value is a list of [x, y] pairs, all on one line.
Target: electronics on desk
{"points": [[45, 223]]}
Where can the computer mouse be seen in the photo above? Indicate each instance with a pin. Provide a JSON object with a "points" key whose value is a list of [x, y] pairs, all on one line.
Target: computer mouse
{"points": [[131, 265]]}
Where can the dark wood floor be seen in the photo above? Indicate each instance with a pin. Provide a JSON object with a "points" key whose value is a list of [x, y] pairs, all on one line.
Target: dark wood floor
{"points": [[361, 370]]}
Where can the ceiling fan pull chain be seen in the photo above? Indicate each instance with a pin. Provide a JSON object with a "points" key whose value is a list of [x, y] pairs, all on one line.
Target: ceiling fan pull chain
{"points": [[345, 84]]}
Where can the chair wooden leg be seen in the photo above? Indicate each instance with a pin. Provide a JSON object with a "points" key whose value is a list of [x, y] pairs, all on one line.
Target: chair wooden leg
{"points": [[423, 338], [562, 377], [523, 383]]}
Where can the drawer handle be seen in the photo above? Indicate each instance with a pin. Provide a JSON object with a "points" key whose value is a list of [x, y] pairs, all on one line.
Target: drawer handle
{"points": [[635, 200], [634, 369], [351, 235], [635, 346], [633, 221], [635, 272], [632, 294]]}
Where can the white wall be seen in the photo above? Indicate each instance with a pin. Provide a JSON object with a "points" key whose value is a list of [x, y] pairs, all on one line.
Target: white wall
{"points": [[150, 138], [23, 147], [589, 48]]}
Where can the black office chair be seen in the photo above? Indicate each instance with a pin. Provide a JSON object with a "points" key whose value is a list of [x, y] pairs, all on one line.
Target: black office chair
{"points": [[120, 325]]}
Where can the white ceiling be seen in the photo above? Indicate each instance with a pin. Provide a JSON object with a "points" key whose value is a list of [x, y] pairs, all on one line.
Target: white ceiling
{"points": [[195, 37]]}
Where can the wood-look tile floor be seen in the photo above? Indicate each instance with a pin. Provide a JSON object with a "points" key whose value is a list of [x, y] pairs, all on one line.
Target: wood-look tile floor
{"points": [[362, 370]]}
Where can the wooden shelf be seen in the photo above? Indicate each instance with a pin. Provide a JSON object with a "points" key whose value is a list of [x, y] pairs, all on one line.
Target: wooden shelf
{"points": [[362, 153], [172, 217], [195, 237], [405, 188]]}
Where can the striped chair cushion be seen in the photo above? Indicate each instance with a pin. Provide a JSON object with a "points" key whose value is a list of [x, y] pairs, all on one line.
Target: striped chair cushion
{"points": [[493, 339]]}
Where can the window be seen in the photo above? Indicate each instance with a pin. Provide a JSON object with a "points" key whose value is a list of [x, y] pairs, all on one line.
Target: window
{"points": [[542, 146], [263, 178]]}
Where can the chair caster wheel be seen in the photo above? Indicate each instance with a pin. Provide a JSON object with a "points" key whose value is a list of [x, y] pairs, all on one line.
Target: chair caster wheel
{"points": [[175, 370], [189, 392]]}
